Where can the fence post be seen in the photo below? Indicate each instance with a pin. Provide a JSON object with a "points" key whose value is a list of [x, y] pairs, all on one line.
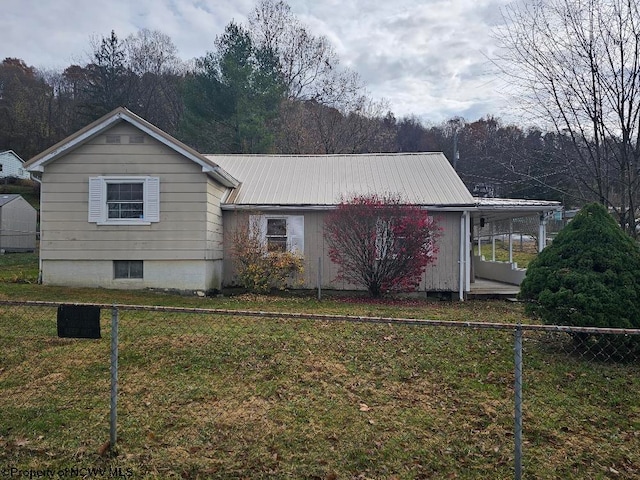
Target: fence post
{"points": [[113, 418], [517, 456]]}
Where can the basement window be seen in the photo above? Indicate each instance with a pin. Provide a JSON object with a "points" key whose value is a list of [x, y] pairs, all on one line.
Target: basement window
{"points": [[127, 269]]}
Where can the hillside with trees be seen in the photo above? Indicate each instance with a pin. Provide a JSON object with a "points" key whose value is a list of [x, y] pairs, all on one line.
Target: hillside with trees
{"points": [[272, 86]]}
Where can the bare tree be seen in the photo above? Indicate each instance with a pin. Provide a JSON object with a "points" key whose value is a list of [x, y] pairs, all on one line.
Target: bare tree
{"points": [[328, 109], [309, 65], [153, 58], [576, 65]]}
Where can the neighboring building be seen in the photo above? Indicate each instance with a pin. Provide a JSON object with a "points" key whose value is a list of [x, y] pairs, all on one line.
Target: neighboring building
{"points": [[18, 221], [124, 205], [11, 165]]}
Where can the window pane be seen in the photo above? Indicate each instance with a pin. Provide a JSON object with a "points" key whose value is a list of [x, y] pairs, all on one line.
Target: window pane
{"points": [[137, 191], [120, 269], [277, 244], [277, 226], [113, 191], [127, 269], [125, 200], [130, 210], [135, 269], [125, 191]]}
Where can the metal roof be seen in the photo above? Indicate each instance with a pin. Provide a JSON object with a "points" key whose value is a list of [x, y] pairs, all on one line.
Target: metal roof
{"points": [[322, 180], [497, 203], [497, 209], [7, 197]]}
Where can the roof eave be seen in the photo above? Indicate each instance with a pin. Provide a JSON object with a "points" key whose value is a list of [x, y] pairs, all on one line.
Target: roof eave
{"points": [[313, 207], [38, 163]]}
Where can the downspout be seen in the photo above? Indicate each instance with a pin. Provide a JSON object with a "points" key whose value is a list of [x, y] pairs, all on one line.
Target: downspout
{"points": [[467, 251], [461, 262], [464, 263]]}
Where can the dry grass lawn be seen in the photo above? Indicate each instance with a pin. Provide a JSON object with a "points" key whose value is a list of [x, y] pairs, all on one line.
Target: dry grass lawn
{"points": [[205, 396]]}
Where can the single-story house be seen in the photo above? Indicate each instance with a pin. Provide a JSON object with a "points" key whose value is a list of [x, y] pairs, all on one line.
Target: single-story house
{"points": [[11, 165], [18, 223], [125, 205]]}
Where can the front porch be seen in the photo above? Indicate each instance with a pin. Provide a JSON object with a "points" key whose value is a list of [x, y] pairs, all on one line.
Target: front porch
{"points": [[515, 224], [482, 288]]}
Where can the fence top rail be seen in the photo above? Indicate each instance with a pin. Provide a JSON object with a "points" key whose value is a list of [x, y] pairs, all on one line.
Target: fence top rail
{"points": [[337, 318]]}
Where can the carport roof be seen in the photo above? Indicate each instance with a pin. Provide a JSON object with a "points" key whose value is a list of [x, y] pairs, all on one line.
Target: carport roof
{"points": [[496, 209]]}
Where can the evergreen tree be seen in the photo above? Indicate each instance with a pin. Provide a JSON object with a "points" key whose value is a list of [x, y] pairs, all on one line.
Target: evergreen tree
{"points": [[588, 276], [232, 96]]}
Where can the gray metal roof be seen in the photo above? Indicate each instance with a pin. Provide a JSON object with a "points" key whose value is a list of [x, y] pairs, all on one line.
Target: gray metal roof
{"points": [[7, 197], [322, 180], [497, 203], [497, 209]]}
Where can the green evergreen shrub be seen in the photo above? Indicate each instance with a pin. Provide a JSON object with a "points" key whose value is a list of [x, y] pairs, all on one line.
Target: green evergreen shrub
{"points": [[588, 277]]}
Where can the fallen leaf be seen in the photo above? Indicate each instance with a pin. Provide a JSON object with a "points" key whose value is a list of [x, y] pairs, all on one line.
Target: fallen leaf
{"points": [[102, 451], [364, 407]]}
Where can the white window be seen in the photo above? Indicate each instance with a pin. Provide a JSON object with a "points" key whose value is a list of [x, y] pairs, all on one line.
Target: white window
{"points": [[128, 269], [281, 233], [124, 200]]}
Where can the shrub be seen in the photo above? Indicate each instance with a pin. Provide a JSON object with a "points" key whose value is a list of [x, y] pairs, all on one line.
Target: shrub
{"points": [[588, 276], [259, 270], [381, 243]]}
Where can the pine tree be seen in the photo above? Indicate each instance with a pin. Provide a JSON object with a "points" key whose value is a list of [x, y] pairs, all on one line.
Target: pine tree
{"points": [[588, 276]]}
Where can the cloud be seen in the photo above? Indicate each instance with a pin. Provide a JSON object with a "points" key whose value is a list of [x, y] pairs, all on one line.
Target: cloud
{"points": [[425, 57]]}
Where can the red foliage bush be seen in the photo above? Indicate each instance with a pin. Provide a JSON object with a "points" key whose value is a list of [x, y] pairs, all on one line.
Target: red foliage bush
{"points": [[381, 243]]}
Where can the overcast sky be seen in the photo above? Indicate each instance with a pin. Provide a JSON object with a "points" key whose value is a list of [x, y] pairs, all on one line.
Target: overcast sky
{"points": [[429, 58]]}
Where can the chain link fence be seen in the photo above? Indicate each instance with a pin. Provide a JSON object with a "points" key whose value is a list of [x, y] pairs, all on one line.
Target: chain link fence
{"points": [[207, 393]]}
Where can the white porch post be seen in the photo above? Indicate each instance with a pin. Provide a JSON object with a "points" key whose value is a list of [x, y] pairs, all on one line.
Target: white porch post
{"points": [[542, 233], [461, 257], [464, 284], [493, 242], [467, 252], [511, 240]]}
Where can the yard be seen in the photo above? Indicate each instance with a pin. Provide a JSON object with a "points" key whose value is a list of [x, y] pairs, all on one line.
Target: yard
{"points": [[218, 396]]}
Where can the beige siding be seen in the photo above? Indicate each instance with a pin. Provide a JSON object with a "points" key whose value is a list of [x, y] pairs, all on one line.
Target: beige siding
{"points": [[443, 275], [189, 223], [214, 228]]}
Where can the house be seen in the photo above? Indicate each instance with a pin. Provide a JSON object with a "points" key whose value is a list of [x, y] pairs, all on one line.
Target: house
{"points": [[18, 221], [12, 166], [125, 205]]}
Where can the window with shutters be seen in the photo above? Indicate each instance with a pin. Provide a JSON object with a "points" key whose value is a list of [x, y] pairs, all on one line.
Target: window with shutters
{"points": [[124, 200], [282, 233]]}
